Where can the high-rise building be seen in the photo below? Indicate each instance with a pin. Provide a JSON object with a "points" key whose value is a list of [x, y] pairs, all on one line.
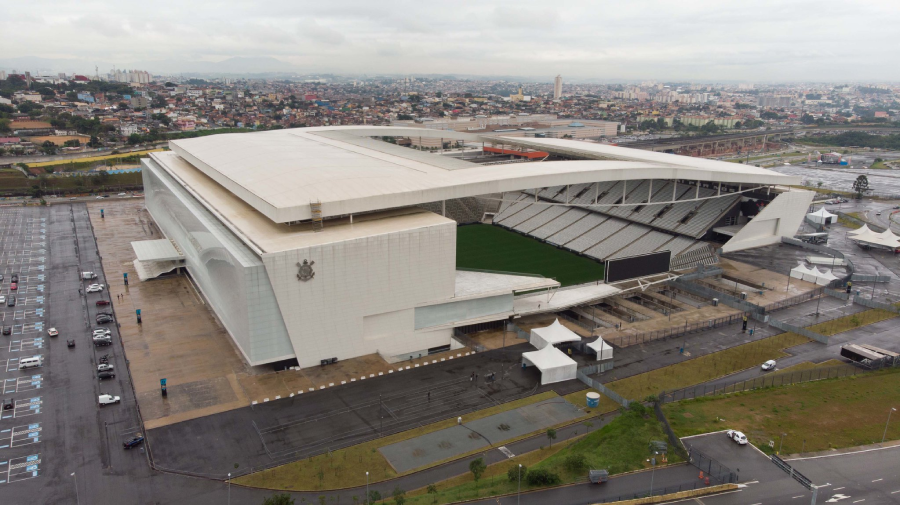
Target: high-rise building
{"points": [[557, 88]]}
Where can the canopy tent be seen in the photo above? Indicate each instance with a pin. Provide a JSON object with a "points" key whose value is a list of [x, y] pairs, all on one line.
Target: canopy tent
{"points": [[813, 275], [554, 365], [871, 238], [551, 335], [822, 216], [861, 229], [603, 350]]}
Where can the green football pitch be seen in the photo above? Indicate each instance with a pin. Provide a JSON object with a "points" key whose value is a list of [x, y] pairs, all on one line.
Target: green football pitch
{"points": [[486, 247]]}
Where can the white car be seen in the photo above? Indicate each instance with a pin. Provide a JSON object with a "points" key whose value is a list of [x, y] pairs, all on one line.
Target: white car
{"points": [[121, 194], [108, 399], [737, 436], [2, 299], [99, 198], [103, 367], [768, 365], [94, 288], [52, 332], [102, 331]]}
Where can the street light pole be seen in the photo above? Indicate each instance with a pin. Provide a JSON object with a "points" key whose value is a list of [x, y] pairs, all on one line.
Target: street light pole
{"points": [[229, 488], [367, 488], [519, 491], [885, 424], [781, 443], [75, 478]]}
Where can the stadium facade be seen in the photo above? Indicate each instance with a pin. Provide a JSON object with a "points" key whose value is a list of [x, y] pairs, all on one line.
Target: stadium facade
{"points": [[321, 243]]}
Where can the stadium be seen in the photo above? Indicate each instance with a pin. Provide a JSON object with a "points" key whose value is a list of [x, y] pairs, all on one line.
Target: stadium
{"points": [[313, 245]]}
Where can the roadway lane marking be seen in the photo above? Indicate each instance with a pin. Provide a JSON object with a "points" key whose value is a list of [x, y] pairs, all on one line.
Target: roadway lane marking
{"points": [[795, 497], [845, 453], [895, 492], [857, 501], [838, 488], [876, 480]]}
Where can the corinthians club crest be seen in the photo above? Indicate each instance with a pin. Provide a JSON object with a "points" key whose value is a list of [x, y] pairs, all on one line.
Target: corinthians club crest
{"points": [[306, 271]]}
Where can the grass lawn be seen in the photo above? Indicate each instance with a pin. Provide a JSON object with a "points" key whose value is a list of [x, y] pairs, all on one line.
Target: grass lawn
{"points": [[18, 184], [486, 247], [852, 321], [620, 446], [695, 371], [340, 469], [825, 414]]}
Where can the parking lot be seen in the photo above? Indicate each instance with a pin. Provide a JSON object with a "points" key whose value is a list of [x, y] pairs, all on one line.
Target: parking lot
{"points": [[51, 425]]}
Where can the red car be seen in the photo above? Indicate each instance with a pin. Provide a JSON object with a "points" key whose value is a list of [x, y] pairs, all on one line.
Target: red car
{"points": [[13, 286], [102, 302]]}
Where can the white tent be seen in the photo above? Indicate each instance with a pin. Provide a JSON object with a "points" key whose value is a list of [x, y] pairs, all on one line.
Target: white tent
{"points": [[799, 271], [603, 350], [861, 230], [825, 278], [822, 216], [554, 334], [554, 365], [883, 239], [812, 275]]}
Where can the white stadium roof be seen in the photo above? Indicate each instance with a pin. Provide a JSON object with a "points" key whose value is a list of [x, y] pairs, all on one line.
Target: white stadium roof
{"points": [[280, 173]]}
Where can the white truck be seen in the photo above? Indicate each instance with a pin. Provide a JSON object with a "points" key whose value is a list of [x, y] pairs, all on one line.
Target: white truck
{"points": [[105, 399], [87, 276]]}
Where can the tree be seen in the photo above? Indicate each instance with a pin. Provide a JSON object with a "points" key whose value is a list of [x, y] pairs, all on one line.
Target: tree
{"points": [[515, 473], [279, 499], [134, 138], [399, 496], [374, 496], [477, 467], [432, 490], [72, 143], [861, 185], [48, 147], [4, 126], [551, 434]]}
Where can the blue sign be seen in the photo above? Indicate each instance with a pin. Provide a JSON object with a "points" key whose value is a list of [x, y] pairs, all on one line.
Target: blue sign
{"points": [[162, 382], [138, 312], [125, 274]]}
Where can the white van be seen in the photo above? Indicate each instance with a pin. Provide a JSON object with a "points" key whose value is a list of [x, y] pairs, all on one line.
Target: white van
{"points": [[88, 275], [30, 362]]}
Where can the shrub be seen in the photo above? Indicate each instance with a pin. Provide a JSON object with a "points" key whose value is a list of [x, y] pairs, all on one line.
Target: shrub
{"points": [[575, 463], [513, 473], [541, 477]]}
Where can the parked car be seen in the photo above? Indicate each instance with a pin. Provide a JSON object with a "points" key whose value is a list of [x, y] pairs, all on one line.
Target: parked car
{"points": [[11, 301], [7, 404], [104, 367], [101, 330], [88, 275], [52, 332], [1, 277], [134, 441], [70, 343], [2, 299], [101, 303], [104, 319], [106, 375], [768, 365], [102, 343], [14, 278], [105, 314], [13, 286], [737, 437], [106, 399], [94, 288], [7, 330], [121, 194]]}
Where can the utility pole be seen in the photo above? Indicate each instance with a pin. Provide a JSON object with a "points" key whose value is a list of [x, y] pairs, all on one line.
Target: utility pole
{"points": [[885, 424]]}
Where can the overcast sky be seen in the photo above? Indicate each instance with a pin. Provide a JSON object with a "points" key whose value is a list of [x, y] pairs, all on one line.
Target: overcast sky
{"points": [[752, 40]]}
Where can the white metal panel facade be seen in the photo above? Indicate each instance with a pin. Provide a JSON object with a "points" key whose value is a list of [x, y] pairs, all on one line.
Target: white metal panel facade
{"points": [[362, 296]]}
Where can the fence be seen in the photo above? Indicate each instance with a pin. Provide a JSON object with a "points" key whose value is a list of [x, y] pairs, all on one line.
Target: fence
{"points": [[706, 292], [799, 477], [794, 300], [870, 278], [843, 295], [467, 341], [712, 468], [781, 325], [583, 377], [688, 328], [674, 441], [589, 326], [766, 381], [872, 304]]}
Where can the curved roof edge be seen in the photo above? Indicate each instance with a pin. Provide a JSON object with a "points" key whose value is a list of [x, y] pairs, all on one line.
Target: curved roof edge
{"points": [[281, 172]]}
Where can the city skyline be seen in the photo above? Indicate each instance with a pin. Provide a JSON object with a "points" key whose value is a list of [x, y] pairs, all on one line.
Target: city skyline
{"points": [[699, 41]]}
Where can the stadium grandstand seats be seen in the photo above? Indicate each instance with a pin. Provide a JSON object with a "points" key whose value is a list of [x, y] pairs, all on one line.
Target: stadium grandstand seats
{"points": [[563, 221], [617, 241]]}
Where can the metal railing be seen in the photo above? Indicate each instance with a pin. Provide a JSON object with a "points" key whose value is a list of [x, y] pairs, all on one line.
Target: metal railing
{"points": [[688, 328], [674, 441], [781, 325], [774, 380], [595, 384], [872, 304], [650, 492], [712, 468], [794, 300]]}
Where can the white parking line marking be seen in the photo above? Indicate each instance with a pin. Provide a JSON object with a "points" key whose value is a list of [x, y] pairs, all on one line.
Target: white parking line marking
{"points": [[876, 480], [838, 488], [857, 501], [895, 492], [795, 497]]}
